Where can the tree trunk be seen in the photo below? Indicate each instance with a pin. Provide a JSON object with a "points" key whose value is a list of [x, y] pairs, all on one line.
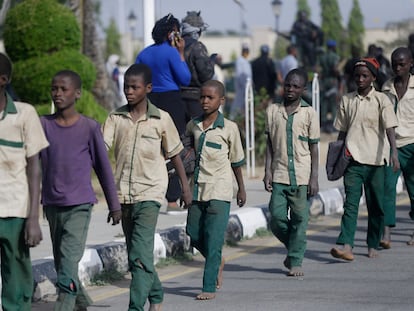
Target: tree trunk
{"points": [[104, 89]]}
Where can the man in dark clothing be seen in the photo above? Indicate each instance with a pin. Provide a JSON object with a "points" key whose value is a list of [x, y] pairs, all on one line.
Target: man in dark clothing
{"points": [[198, 61], [307, 37], [264, 72]]}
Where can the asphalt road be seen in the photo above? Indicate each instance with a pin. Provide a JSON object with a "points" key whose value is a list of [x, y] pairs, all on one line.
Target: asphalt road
{"points": [[255, 279]]}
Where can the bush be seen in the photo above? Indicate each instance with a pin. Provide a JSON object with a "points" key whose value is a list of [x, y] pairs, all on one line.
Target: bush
{"points": [[37, 27], [32, 77]]}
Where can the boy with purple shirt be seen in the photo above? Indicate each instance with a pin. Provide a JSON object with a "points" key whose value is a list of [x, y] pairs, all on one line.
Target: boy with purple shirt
{"points": [[76, 146]]}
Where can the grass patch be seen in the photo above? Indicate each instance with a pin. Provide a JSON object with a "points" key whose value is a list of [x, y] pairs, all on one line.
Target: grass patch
{"points": [[179, 259], [262, 232], [106, 277]]}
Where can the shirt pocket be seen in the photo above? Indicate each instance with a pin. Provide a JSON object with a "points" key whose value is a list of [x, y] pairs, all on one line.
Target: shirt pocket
{"points": [[212, 150], [150, 145]]}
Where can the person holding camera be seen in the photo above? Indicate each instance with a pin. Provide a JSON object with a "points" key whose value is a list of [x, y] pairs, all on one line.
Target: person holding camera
{"points": [[169, 72]]}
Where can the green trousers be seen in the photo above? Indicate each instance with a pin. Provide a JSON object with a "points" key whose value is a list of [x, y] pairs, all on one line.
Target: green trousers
{"points": [[291, 231], [16, 266], [206, 226], [372, 179], [406, 158], [68, 231], [139, 221], [390, 195]]}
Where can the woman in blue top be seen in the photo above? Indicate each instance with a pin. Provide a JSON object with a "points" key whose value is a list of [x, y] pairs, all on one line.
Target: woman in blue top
{"points": [[169, 71]]}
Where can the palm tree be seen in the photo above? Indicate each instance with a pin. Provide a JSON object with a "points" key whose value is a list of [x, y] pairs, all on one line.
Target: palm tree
{"points": [[104, 89]]}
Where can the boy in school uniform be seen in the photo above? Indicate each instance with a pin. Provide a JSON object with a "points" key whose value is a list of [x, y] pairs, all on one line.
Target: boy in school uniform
{"points": [[142, 136], [365, 120], [219, 151], [76, 147], [400, 89], [21, 140], [291, 167]]}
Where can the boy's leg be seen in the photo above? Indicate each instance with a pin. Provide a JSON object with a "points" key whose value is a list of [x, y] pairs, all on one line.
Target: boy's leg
{"points": [[215, 224], [390, 185], [69, 229], [406, 157], [16, 275], [299, 216], [353, 181], [374, 194], [195, 226], [278, 207], [139, 222]]}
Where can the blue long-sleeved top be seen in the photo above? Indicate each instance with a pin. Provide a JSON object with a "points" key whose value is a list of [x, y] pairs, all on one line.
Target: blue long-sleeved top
{"points": [[169, 72]]}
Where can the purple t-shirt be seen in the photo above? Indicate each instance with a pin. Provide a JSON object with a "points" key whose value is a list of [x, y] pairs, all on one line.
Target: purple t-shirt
{"points": [[68, 162]]}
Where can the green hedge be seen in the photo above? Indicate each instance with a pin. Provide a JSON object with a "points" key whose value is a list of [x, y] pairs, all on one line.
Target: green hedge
{"points": [[36, 27], [85, 105], [32, 77]]}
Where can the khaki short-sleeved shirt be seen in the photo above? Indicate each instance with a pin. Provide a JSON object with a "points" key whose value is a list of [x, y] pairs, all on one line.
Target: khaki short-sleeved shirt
{"points": [[290, 136], [365, 120], [140, 150], [404, 133], [21, 137], [218, 149]]}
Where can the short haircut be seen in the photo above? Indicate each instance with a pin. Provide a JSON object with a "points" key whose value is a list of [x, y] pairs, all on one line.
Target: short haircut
{"points": [[402, 50], [73, 76], [217, 85], [5, 66], [140, 70], [299, 72], [163, 26]]}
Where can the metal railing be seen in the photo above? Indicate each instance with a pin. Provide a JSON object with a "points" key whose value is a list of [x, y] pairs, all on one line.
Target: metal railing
{"points": [[249, 126]]}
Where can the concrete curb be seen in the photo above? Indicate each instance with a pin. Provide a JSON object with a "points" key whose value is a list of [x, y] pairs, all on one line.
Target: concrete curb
{"points": [[243, 223]]}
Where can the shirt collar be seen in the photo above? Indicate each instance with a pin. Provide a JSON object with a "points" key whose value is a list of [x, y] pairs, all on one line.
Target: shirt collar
{"points": [[10, 106], [368, 96], [219, 122], [152, 110]]}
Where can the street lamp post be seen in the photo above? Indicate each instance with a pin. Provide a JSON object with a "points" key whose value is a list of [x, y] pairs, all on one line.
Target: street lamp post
{"points": [[132, 22], [277, 7]]}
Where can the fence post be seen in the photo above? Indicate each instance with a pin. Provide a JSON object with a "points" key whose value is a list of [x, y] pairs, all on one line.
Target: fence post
{"points": [[249, 126]]}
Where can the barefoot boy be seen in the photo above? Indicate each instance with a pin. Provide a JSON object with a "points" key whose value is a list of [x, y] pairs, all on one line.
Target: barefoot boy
{"points": [[21, 140], [364, 118], [219, 152], [142, 136], [400, 89], [291, 169], [76, 147]]}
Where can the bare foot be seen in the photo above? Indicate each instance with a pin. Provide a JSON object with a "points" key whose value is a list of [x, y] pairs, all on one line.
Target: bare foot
{"points": [[286, 263], [345, 253], [206, 296], [372, 253], [155, 307], [411, 241], [385, 244], [295, 271], [219, 281]]}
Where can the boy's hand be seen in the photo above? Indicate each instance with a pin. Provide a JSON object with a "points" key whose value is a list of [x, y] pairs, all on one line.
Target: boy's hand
{"points": [[186, 198], [116, 217], [267, 179], [241, 197], [395, 162], [32, 233], [313, 187]]}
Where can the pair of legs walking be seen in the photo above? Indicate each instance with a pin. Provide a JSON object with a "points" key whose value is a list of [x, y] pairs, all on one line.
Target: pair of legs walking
{"points": [[289, 210], [206, 226], [372, 179]]}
